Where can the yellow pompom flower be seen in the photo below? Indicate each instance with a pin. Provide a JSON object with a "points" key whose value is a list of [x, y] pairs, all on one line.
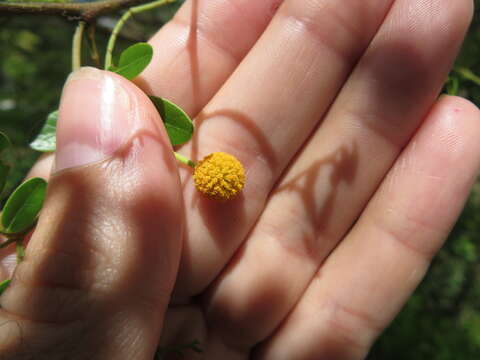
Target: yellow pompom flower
{"points": [[219, 176]]}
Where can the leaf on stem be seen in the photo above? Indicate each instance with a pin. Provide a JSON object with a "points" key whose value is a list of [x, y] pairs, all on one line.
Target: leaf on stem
{"points": [[46, 140], [22, 207], [133, 60], [178, 124]]}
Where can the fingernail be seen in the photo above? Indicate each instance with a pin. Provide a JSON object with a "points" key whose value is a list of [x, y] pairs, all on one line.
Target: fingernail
{"points": [[96, 117]]}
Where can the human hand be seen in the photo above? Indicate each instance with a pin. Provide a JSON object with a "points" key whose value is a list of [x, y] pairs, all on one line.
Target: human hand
{"points": [[355, 174]]}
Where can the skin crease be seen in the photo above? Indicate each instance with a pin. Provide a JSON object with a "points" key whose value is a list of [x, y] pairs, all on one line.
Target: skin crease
{"points": [[355, 173]]}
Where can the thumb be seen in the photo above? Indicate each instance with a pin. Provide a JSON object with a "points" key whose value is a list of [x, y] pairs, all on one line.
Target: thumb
{"points": [[100, 267]]}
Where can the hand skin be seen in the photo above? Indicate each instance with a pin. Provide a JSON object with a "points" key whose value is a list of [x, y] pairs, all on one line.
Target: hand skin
{"points": [[356, 172]]}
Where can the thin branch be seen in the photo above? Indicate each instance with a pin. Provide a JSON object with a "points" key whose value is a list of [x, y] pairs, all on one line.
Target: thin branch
{"points": [[123, 19], [95, 56], [132, 31], [77, 46], [73, 11]]}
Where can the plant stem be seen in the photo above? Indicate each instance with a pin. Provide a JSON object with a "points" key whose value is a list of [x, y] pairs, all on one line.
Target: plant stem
{"points": [[86, 11], [468, 74], [77, 46], [121, 22], [184, 160], [93, 45], [20, 250]]}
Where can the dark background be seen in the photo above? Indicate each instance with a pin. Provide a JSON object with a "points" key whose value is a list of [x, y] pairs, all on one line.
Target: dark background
{"points": [[442, 319]]}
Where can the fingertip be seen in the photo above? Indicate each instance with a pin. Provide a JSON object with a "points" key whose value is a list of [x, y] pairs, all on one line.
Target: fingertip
{"points": [[460, 104], [456, 118]]}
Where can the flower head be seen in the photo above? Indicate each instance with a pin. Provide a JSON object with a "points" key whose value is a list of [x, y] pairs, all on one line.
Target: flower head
{"points": [[219, 176]]}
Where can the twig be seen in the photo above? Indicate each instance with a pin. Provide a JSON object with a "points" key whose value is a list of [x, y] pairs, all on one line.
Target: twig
{"points": [[123, 19], [95, 56], [77, 46], [105, 24], [73, 11]]}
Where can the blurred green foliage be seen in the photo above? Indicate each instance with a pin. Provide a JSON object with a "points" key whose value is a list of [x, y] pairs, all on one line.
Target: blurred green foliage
{"points": [[442, 319], [34, 61]]}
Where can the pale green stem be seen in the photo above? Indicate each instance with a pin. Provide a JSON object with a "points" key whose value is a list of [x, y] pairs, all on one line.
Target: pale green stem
{"points": [[184, 160], [468, 74], [20, 249], [121, 22], [77, 46]]}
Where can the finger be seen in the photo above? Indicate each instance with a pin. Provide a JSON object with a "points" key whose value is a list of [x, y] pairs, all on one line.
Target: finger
{"points": [[100, 266], [193, 55], [371, 274], [325, 190], [198, 50], [264, 118]]}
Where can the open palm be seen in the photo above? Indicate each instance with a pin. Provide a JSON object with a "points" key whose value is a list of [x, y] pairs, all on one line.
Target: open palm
{"points": [[355, 170]]}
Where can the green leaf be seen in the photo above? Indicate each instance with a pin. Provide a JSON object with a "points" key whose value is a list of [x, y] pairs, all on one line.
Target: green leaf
{"points": [[46, 140], [4, 169], [4, 141], [133, 60], [177, 123], [4, 285], [22, 207]]}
